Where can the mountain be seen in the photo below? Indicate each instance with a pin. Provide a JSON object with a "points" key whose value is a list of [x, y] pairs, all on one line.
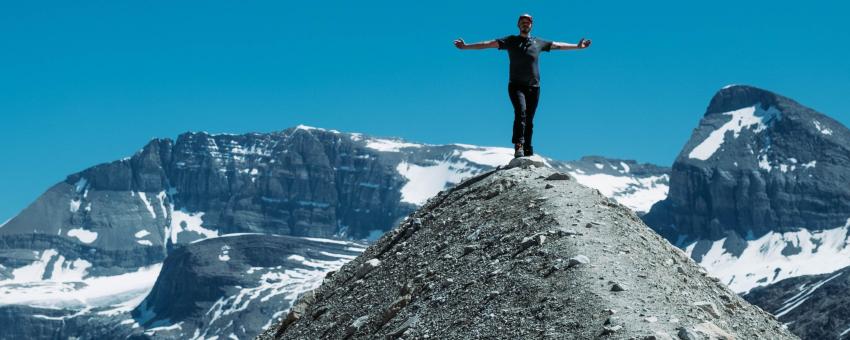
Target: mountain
{"points": [[228, 285], [88, 251], [523, 252], [231, 285], [753, 195], [813, 306]]}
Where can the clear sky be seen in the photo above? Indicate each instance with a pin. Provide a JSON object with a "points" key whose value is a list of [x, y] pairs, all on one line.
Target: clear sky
{"points": [[86, 82]]}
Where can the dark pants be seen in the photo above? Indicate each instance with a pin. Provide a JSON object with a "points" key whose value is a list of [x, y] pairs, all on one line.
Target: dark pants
{"points": [[524, 99]]}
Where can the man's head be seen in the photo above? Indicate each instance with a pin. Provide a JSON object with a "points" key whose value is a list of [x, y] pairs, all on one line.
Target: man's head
{"points": [[524, 23]]}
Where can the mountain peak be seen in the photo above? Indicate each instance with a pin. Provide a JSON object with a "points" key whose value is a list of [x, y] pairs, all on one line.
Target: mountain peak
{"points": [[734, 97], [519, 252]]}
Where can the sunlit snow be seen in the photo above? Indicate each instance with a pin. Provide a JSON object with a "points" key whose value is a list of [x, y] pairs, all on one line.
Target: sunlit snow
{"points": [[68, 286], [639, 194], [423, 182], [741, 118], [387, 145], [85, 236], [822, 129], [762, 262]]}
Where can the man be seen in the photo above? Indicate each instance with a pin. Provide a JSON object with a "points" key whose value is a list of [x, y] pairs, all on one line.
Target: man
{"points": [[524, 84]]}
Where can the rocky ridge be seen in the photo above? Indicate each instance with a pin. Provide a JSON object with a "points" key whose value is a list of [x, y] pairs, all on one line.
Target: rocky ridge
{"points": [[523, 252]]}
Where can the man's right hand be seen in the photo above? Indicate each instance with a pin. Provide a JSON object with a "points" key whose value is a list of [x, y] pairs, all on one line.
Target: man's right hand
{"points": [[459, 43]]}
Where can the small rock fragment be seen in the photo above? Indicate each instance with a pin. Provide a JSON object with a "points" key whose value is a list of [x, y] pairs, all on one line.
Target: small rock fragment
{"points": [[687, 334], [617, 287], [528, 242], [367, 267], [558, 176], [708, 307], [399, 331], [577, 260], [611, 329]]}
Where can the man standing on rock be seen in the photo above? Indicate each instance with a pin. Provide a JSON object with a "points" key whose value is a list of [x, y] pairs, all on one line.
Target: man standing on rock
{"points": [[524, 84]]}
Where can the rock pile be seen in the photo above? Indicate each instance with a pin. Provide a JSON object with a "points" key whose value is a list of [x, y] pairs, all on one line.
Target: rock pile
{"points": [[519, 253]]}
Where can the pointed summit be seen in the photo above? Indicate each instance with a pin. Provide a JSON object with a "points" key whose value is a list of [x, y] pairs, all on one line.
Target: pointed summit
{"points": [[734, 97]]}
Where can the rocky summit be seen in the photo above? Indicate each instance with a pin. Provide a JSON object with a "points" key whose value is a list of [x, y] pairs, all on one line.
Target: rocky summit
{"points": [[523, 252]]}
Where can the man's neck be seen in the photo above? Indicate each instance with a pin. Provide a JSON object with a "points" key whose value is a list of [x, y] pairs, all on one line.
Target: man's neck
{"points": [[524, 35]]}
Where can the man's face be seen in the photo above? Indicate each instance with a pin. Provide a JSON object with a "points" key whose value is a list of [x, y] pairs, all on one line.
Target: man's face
{"points": [[524, 25]]}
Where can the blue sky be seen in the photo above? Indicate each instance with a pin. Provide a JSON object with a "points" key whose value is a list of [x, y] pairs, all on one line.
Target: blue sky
{"points": [[87, 82]]}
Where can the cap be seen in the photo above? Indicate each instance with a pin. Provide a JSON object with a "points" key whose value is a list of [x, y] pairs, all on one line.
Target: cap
{"points": [[526, 15]]}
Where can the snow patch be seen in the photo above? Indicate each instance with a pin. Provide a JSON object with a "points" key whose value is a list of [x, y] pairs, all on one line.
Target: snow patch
{"points": [[637, 193], [183, 221], [68, 286], [764, 163], [161, 197], [822, 129], [142, 233], [306, 128], [85, 236], [81, 184], [144, 242], [625, 166], [493, 156], [763, 263], [75, 205], [224, 256], [741, 118], [423, 182], [388, 145], [144, 198], [810, 164]]}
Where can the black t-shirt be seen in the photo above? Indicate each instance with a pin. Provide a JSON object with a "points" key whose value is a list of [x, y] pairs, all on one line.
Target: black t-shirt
{"points": [[523, 53]]}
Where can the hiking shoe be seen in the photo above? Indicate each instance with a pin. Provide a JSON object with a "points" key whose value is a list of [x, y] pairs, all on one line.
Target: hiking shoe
{"points": [[528, 150], [518, 152]]}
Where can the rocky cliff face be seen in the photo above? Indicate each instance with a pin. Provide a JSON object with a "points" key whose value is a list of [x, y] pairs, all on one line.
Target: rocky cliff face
{"points": [[523, 252], [757, 188], [758, 162]]}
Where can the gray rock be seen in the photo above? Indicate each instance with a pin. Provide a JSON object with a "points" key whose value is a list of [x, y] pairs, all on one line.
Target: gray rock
{"points": [[578, 260], [617, 287], [708, 307], [558, 176]]}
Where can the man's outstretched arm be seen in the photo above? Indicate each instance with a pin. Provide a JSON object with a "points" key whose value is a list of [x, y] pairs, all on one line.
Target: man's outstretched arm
{"points": [[582, 44], [459, 43]]}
